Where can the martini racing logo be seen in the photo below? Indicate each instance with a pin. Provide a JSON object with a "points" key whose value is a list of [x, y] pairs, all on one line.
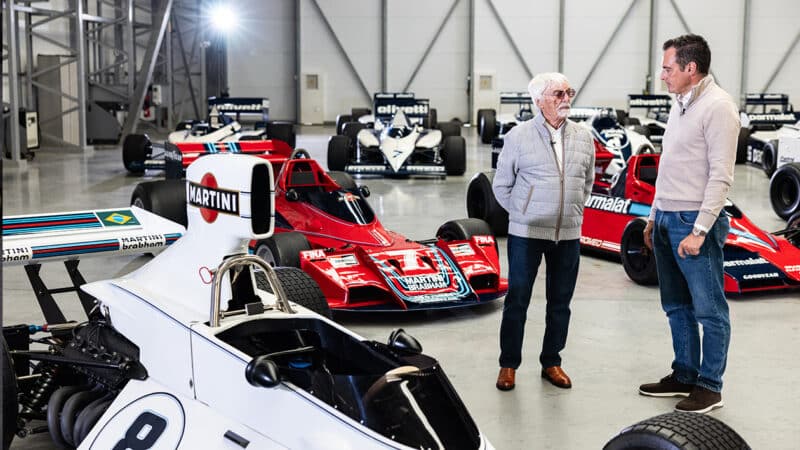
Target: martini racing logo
{"points": [[17, 254], [424, 282], [418, 109], [610, 204], [212, 200], [141, 242]]}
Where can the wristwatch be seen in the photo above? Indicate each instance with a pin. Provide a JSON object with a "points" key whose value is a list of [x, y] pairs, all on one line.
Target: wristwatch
{"points": [[698, 232]]}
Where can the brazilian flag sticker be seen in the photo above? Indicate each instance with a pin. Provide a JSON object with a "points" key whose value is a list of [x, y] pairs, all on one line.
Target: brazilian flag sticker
{"points": [[122, 217]]}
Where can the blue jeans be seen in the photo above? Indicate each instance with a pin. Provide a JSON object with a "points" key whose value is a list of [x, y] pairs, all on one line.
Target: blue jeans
{"points": [[692, 292], [524, 257]]}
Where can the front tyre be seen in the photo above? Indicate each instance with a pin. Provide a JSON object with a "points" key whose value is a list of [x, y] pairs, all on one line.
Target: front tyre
{"points": [[463, 229], [166, 198], [299, 287], [454, 154], [282, 249], [136, 149], [638, 260], [784, 190], [10, 406], [677, 431], [338, 152], [482, 204]]}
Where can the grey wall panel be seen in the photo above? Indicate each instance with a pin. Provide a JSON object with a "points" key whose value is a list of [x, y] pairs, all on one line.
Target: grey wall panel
{"points": [[261, 55], [774, 25]]}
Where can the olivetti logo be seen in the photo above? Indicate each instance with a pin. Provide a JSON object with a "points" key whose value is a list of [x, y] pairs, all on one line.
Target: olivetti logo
{"points": [[211, 200]]}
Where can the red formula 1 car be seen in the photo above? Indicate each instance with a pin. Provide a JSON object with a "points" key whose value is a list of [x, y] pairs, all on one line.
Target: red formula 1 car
{"points": [[324, 225], [616, 214]]}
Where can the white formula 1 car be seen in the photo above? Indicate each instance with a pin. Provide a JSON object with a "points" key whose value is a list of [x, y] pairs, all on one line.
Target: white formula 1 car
{"points": [[492, 125], [397, 142], [208, 347], [225, 119]]}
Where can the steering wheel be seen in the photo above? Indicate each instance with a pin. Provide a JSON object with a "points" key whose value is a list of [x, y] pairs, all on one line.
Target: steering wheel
{"points": [[299, 153], [391, 376]]}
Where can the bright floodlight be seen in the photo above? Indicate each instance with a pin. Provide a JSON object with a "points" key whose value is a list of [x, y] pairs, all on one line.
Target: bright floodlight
{"points": [[223, 19]]}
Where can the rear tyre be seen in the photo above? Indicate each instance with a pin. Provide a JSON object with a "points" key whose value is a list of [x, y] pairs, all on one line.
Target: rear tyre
{"points": [[768, 158], [641, 129], [677, 431], [455, 155], [784, 190], [342, 119], [481, 203], [487, 126], [338, 152], [343, 179], [282, 249], [431, 121], [167, 198], [638, 260], [450, 129], [357, 113], [463, 229], [741, 145], [632, 121], [793, 227], [283, 131], [299, 287], [351, 129], [136, 149], [10, 406]]}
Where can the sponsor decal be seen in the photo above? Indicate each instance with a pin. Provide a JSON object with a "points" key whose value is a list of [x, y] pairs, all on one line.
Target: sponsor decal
{"points": [[761, 276], [339, 262], [484, 240], [649, 102], [211, 199], [461, 249], [144, 241], [116, 218], [418, 109], [17, 254], [783, 117], [236, 107], [424, 282], [610, 204], [599, 243], [155, 420], [745, 262], [795, 268], [315, 254], [381, 238]]}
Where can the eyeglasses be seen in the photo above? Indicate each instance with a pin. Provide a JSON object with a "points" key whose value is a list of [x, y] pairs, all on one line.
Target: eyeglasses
{"points": [[559, 94]]}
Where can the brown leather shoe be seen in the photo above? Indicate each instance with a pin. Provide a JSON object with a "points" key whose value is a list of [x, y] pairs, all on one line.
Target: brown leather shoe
{"points": [[557, 376], [505, 379]]}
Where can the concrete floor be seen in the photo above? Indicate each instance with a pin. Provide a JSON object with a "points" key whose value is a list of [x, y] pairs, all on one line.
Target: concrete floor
{"points": [[619, 336]]}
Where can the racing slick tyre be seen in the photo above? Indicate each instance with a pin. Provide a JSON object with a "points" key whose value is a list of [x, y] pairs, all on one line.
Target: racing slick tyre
{"points": [[357, 113], [481, 203], [9, 395], [784, 190], [450, 129], [487, 125], [343, 179], [282, 249], [639, 261], [342, 119], [167, 198], [741, 145], [631, 121], [677, 431], [768, 158], [454, 154], [136, 149], [283, 131], [793, 229], [338, 152], [641, 129], [300, 288], [463, 229], [351, 129], [431, 121]]}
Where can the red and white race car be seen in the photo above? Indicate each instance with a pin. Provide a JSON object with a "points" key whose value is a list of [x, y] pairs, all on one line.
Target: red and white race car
{"points": [[325, 226]]}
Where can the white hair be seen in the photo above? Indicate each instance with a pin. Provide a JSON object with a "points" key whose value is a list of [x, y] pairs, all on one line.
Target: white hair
{"points": [[540, 83]]}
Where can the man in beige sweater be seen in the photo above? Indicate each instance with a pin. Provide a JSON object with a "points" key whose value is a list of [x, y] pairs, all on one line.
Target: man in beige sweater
{"points": [[687, 227]]}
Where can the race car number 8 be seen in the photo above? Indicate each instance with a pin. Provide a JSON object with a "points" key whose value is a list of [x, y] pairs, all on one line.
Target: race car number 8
{"points": [[143, 433]]}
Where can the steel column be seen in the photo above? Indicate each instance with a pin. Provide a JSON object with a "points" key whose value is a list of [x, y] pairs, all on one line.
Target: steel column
{"points": [[384, 43], [81, 75], [471, 56], [745, 37], [561, 19], [781, 63], [650, 85], [12, 26]]}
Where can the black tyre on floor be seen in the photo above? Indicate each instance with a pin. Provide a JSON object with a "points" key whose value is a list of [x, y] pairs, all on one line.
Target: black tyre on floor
{"points": [[450, 129], [632, 121], [9, 395], [454, 154], [351, 129], [641, 129], [784, 190], [768, 155], [167, 198], [487, 126], [300, 288], [136, 149], [678, 431], [338, 152], [432, 121], [282, 249], [741, 145], [463, 229], [283, 131], [342, 119], [482, 204], [793, 227], [359, 112], [343, 179], [639, 261]]}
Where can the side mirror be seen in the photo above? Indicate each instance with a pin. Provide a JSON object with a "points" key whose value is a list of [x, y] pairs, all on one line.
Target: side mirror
{"points": [[400, 340], [262, 372], [292, 195], [364, 191]]}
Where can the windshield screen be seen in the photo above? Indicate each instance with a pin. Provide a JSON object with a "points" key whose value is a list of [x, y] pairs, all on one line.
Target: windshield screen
{"points": [[398, 132], [345, 205]]}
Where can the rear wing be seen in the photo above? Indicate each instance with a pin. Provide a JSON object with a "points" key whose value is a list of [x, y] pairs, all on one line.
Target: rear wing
{"points": [[242, 109], [178, 155], [775, 110], [515, 98], [650, 102], [55, 236], [386, 104]]}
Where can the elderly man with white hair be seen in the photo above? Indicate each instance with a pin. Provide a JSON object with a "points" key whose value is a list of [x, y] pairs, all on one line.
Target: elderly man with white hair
{"points": [[544, 174]]}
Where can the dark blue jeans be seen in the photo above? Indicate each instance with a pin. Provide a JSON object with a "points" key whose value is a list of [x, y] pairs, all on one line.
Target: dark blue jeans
{"points": [[692, 292], [524, 257]]}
